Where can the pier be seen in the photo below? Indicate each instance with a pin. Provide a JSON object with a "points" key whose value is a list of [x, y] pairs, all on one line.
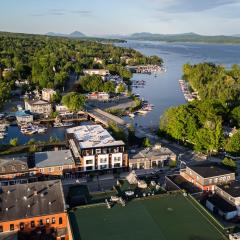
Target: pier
{"points": [[103, 117]]}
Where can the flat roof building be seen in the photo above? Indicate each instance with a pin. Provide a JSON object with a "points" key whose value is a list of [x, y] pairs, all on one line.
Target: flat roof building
{"points": [[207, 175], [95, 149]]}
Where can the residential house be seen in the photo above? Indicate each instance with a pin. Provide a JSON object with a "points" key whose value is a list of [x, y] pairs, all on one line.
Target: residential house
{"points": [[39, 107], [47, 94], [38, 206], [101, 72], [95, 149], [101, 96], [24, 117]]}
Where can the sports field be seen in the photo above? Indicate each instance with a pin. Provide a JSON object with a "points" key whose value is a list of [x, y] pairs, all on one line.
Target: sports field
{"points": [[162, 218]]}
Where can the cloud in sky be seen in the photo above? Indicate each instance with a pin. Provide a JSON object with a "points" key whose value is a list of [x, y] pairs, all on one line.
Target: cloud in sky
{"points": [[182, 6], [60, 12]]}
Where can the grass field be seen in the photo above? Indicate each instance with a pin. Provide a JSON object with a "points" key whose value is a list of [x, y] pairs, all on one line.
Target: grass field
{"points": [[162, 218]]}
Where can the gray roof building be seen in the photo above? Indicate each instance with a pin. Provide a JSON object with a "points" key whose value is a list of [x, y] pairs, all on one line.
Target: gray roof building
{"points": [[31, 200], [53, 158]]}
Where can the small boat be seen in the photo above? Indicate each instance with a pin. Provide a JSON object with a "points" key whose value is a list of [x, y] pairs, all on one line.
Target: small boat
{"points": [[131, 115], [57, 125], [41, 129], [142, 111], [67, 124]]}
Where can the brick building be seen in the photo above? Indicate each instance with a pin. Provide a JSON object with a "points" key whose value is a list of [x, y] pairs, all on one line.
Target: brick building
{"points": [[56, 163], [38, 207], [207, 175]]}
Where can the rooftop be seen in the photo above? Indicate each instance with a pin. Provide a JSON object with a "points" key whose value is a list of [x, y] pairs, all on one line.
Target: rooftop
{"points": [[149, 152], [210, 169], [37, 102], [53, 158], [153, 218], [233, 188], [31, 200], [93, 136], [221, 204], [23, 113], [14, 163]]}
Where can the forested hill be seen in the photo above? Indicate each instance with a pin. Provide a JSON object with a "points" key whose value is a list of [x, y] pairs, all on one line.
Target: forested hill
{"points": [[185, 37]]}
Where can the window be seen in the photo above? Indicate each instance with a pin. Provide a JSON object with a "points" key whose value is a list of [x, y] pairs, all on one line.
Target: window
{"points": [[60, 168], [13, 168], [190, 172], [21, 226], [40, 222], [117, 165], [98, 151], [32, 224], [89, 161], [103, 160], [53, 220], [41, 170], [1, 228], [2, 169], [216, 180], [47, 220], [11, 227], [103, 167], [89, 168], [60, 220], [23, 167], [50, 169]]}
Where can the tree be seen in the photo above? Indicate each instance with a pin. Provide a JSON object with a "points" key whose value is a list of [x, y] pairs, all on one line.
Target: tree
{"points": [[228, 162], [121, 88], [56, 98], [232, 144], [146, 142], [74, 101], [13, 142], [235, 114]]}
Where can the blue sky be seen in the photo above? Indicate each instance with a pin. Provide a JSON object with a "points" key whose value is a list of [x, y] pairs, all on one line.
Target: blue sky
{"points": [[121, 16]]}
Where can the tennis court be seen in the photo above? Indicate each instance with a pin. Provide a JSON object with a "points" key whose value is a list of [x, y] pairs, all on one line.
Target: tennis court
{"points": [[168, 217]]}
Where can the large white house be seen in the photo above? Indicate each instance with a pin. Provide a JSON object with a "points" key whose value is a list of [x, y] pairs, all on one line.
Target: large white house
{"points": [[39, 106]]}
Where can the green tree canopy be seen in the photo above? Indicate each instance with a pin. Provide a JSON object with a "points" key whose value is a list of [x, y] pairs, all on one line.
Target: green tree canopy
{"points": [[74, 101]]}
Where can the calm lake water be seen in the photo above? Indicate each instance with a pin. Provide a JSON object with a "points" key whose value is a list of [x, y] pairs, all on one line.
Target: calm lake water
{"points": [[163, 91]]}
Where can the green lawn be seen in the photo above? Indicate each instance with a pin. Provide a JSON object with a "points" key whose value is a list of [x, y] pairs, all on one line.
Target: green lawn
{"points": [[162, 218]]}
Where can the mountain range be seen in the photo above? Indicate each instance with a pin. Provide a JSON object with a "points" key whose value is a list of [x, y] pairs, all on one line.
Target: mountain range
{"points": [[75, 34], [147, 36]]}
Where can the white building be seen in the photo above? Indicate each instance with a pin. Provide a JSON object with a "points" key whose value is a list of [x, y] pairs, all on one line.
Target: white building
{"points": [[47, 94], [39, 107], [95, 149], [101, 72]]}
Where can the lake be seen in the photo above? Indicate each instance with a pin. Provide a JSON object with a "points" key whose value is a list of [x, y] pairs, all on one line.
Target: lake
{"points": [[163, 91]]}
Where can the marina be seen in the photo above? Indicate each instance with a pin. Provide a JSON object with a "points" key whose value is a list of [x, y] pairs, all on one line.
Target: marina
{"points": [[188, 95]]}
